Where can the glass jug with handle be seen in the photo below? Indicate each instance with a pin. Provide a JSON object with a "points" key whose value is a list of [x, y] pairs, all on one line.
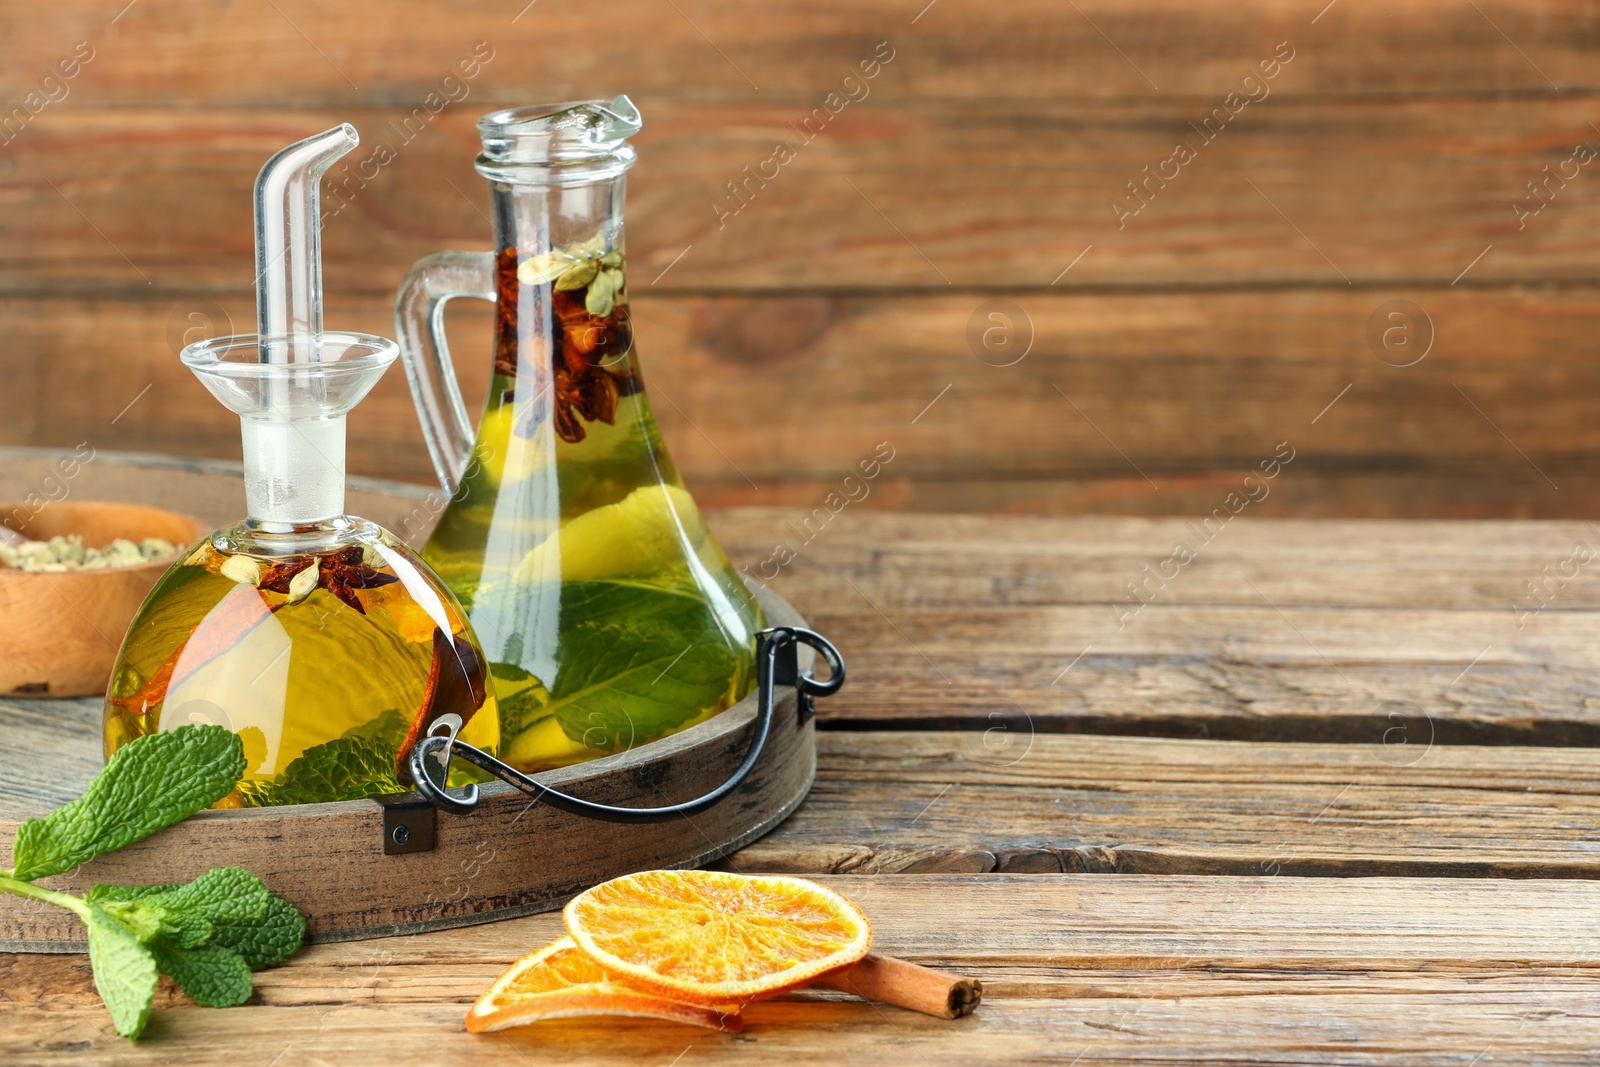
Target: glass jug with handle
{"points": [[607, 611]]}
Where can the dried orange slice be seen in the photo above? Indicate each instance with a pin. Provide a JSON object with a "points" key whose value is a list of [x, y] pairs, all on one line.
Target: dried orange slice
{"points": [[710, 937], [559, 981]]}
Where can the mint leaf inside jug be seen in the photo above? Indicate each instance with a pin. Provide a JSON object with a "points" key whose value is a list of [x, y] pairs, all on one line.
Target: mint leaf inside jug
{"points": [[351, 767], [639, 659]]}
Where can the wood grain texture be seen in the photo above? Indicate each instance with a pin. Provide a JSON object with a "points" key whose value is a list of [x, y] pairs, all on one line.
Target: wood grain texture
{"points": [[1551, 1023], [1162, 970], [1384, 163], [824, 318], [1491, 491], [1005, 798], [1279, 630], [1126, 402], [399, 52], [918, 196]]}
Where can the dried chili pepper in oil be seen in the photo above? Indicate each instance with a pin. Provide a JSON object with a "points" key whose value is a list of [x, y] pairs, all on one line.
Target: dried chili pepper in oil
{"points": [[506, 294], [590, 365], [340, 572]]}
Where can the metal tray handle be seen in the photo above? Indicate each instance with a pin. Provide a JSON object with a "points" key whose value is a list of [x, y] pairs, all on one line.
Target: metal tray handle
{"points": [[777, 663]]}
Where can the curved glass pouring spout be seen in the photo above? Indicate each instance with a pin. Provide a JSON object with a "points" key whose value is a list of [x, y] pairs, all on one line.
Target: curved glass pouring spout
{"points": [[319, 638], [608, 611]]}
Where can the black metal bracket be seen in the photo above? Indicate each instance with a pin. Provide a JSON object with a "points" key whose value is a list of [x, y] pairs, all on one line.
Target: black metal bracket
{"points": [[777, 663], [408, 823], [786, 667]]}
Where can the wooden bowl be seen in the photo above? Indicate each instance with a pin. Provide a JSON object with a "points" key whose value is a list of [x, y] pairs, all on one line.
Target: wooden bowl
{"points": [[59, 632]]}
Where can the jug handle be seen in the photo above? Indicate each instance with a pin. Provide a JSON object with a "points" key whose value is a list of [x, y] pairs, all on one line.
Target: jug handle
{"points": [[419, 324]]}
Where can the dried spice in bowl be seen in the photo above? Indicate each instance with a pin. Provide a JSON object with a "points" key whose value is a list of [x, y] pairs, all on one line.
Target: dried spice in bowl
{"points": [[68, 553]]}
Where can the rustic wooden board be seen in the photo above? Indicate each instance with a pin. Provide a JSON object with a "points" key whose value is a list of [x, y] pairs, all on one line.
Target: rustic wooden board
{"points": [[397, 53], [1493, 491], [1496, 962], [510, 857], [1157, 970], [1003, 199], [1016, 802], [854, 371], [1389, 154], [957, 561], [1223, 698], [1551, 1024], [1280, 630], [1200, 671], [1007, 799]]}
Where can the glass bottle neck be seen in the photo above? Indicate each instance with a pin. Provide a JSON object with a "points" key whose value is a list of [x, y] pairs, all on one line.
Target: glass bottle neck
{"points": [[563, 337], [535, 218]]}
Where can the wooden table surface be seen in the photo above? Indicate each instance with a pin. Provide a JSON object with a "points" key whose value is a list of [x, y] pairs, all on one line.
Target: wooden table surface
{"points": [[1325, 799]]}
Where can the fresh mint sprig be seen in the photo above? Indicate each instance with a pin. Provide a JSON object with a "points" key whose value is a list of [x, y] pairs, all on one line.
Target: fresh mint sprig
{"points": [[208, 935]]}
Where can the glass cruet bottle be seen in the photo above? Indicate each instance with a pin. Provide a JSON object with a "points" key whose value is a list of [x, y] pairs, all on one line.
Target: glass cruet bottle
{"points": [[609, 614], [319, 638]]}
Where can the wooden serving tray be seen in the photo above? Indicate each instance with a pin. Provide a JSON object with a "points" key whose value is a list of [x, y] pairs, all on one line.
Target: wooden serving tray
{"points": [[510, 857]]}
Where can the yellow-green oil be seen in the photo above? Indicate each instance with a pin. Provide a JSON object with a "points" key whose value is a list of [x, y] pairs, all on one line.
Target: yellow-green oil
{"points": [[608, 612], [286, 675]]}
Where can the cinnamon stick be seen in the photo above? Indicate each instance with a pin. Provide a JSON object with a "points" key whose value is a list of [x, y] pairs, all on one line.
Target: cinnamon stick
{"points": [[907, 985]]}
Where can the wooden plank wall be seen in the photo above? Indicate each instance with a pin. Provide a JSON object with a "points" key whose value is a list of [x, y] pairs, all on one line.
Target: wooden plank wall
{"points": [[1381, 161]]}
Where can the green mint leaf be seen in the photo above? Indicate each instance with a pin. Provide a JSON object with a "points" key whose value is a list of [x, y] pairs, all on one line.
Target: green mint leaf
{"points": [[143, 919], [187, 915], [266, 941], [213, 975], [100, 894], [191, 912], [642, 660], [222, 894], [388, 729], [124, 972], [209, 934], [346, 768], [523, 699], [149, 784], [645, 693]]}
